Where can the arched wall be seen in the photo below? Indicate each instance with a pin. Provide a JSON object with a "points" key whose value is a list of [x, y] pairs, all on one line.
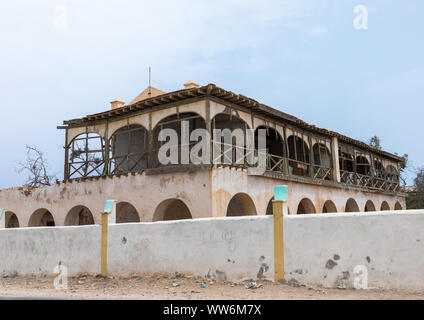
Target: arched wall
{"points": [[352, 206], [369, 206], [398, 206], [274, 141], [294, 136], [172, 209], [384, 206], [306, 206], [141, 119], [126, 213], [234, 116], [111, 133], [329, 207], [41, 218], [241, 204], [174, 114], [260, 122], [12, 220], [83, 133], [78, 216], [213, 189], [99, 129]]}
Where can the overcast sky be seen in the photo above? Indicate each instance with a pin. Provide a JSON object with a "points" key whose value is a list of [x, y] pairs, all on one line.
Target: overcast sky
{"points": [[65, 59]]}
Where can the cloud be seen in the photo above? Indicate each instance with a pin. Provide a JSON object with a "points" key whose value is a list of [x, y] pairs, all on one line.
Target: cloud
{"points": [[317, 30]]}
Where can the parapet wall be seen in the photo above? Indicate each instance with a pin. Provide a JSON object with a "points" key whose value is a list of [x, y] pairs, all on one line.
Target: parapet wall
{"points": [[319, 249]]}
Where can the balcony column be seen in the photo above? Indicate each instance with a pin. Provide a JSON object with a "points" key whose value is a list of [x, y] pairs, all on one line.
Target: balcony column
{"points": [[335, 158], [311, 159], [66, 167], [106, 150], [285, 152], [150, 158], [372, 169]]}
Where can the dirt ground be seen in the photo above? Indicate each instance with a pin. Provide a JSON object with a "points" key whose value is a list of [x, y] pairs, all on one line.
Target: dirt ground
{"points": [[178, 287]]}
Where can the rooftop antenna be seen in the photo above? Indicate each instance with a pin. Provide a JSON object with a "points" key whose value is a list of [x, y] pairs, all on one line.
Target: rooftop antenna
{"points": [[150, 80]]}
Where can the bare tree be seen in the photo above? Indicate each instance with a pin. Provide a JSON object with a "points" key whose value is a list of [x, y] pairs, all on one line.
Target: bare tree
{"points": [[37, 168]]}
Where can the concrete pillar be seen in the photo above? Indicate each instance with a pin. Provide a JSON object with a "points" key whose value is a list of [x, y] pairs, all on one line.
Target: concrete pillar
{"points": [[335, 155]]}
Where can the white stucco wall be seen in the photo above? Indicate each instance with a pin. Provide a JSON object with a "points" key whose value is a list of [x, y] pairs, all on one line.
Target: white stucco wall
{"points": [[389, 244], [234, 246], [36, 251]]}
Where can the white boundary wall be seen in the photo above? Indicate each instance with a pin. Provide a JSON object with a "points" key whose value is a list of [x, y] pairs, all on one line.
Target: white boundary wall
{"points": [[320, 249]]}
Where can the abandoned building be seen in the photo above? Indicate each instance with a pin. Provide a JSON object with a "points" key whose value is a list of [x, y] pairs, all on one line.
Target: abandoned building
{"points": [[114, 155]]}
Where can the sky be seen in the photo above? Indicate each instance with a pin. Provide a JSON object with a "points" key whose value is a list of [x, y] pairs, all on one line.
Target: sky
{"points": [[61, 60]]}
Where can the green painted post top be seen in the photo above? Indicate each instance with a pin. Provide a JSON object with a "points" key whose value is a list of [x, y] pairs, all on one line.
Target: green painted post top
{"points": [[280, 193], [109, 206], [2, 210]]}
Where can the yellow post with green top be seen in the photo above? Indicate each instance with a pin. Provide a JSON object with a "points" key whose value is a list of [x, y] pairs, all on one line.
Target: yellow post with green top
{"points": [[108, 216], [279, 208]]}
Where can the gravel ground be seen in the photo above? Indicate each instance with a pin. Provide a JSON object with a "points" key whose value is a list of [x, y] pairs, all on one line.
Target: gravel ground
{"points": [[178, 287]]}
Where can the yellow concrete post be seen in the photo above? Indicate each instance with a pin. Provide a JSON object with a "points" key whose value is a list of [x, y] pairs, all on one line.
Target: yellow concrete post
{"points": [[104, 244], [109, 213], [279, 207]]}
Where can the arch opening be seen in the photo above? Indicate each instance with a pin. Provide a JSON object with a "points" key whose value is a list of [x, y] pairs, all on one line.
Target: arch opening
{"points": [[79, 216], [241, 205], [392, 174], [379, 171], [369, 206], [346, 164], [128, 151], [306, 206], [385, 206], [298, 155], [269, 208], [329, 207], [11, 220], [86, 156], [41, 218], [345, 161], [126, 213], [274, 148], [322, 161], [274, 141], [398, 206], [362, 165], [351, 206], [174, 122], [172, 209], [230, 147]]}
